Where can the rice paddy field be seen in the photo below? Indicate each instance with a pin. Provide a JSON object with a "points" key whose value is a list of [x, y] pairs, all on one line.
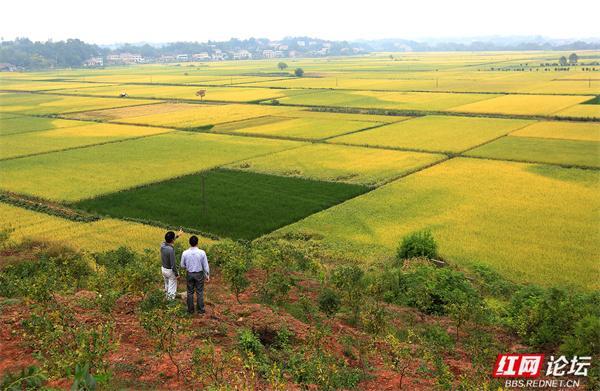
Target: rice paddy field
{"points": [[435, 133], [495, 153]]}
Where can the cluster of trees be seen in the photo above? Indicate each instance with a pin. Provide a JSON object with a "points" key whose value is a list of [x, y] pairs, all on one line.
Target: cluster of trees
{"points": [[572, 60], [24, 53]]}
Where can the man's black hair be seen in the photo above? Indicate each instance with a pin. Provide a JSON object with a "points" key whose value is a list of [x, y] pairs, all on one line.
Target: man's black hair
{"points": [[193, 240], [170, 237]]}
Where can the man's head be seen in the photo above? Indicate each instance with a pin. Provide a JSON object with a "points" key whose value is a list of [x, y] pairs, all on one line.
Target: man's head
{"points": [[170, 237], [193, 240]]}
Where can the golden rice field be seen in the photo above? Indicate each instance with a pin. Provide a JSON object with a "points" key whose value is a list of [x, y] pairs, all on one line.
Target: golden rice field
{"points": [[339, 163], [301, 128], [229, 94], [536, 223], [198, 115], [31, 143], [435, 133], [586, 131], [469, 145], [19, 85], [25, 103], [100, 235], [87, 172], [125, 112], [581, 111], [386, 100], [523, 105]]}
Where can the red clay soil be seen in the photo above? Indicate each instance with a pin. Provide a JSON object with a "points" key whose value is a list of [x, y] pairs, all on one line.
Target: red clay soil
{"points": [[136, 364]]}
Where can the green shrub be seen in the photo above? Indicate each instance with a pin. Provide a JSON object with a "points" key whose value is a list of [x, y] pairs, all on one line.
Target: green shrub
{"points": [[545, 317], [329, 302], [374, 317], [220, 252], [65, 271], [234, 272], [30, 378], [61, 342], [491, 282], [348, 279], [417, 244], [437, 339], [249, 343]]}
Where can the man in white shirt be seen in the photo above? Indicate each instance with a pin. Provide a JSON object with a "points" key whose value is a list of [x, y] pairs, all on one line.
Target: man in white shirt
{"points": [[195, 262]]}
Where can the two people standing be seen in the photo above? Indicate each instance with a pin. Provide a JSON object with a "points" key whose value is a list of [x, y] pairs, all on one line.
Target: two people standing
{"points": [[194, 260]]}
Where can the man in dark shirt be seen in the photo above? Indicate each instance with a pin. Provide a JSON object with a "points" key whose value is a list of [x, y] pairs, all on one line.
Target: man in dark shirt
{"points": [[169, 267]]}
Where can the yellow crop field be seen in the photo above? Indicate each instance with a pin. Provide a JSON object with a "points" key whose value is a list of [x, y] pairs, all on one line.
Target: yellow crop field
{"points": [[386, 100], [303, 128], [523, 104], [581, 111], [20, 85], [539, 220], [76, 136], [125, 112], [26, 103], [100, 235], [87, 172], [589, 131], [365, 166], [229, 94], [434, 133], [302, 113], [483, 148], [197, 115]]}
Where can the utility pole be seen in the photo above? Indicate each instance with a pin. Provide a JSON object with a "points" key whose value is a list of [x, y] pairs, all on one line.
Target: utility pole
{"points": [[203, 182], [437, 83]]}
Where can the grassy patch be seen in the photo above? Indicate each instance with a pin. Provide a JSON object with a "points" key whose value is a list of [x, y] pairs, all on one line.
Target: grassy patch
{"points": [[237, 204], [568, 152]]}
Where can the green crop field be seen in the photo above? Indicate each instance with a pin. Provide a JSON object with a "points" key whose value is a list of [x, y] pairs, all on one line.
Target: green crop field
{"points": [[339, 163], [24, 124], [498, 153], [87, 172], [435, 133], [539, 220], [568, 152], [232, 204]]}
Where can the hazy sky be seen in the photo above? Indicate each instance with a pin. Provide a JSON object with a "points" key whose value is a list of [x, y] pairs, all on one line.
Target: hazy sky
{"points": [[108, 21]]}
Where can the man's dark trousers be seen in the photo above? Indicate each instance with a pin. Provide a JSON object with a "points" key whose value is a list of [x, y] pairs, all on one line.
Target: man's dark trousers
{"points": [[195, 282]]}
